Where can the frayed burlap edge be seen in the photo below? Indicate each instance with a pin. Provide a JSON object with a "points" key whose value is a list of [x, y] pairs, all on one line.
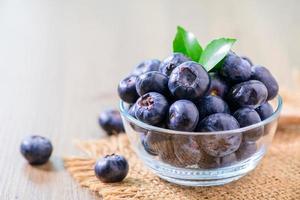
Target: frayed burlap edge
{"points": [[277, 177]]}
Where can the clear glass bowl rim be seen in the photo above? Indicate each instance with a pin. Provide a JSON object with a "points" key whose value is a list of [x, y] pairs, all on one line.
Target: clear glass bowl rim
{"points": [[143, 125]]}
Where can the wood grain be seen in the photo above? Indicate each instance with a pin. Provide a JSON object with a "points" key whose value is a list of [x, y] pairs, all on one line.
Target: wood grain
{"points": [[60, 62]]}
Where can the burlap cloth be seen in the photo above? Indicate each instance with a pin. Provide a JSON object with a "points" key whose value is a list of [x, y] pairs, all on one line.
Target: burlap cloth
{"points": [[276, 177]]}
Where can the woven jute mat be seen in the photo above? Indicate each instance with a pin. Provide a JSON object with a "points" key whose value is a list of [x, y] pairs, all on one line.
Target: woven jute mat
{"points": [[276, 177]]}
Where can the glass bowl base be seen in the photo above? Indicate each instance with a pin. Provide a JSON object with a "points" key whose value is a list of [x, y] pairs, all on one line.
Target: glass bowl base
{"points": [[204, 177]]}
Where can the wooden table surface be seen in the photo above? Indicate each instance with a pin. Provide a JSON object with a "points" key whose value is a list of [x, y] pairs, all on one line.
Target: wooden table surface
{"points": [[60, 63]]}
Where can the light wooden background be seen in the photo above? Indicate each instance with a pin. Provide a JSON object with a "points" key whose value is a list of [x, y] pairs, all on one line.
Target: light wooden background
{"points": [[61, 60]]}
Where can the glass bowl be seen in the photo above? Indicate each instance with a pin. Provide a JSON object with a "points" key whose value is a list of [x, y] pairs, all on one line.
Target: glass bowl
{"points": [[185, 158]]}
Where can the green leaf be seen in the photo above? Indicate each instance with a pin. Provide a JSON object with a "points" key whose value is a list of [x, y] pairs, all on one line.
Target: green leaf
{"points": [[215, 51], [186, 43]]}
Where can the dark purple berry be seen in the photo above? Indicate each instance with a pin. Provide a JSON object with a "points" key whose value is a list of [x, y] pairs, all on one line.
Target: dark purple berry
{"points": [[187, 149], [127, 90], [183, 116], [171, 62], [218, 86], [219, 145], [247, 117], [264, 111], [146, 66], [36, 149], [189, 81], [111, 168], [111, 122], [210, 105], [263, 75], [246, 150], [235, 69], [151, 108], [248, 94], [247, 59], [152, 82]]}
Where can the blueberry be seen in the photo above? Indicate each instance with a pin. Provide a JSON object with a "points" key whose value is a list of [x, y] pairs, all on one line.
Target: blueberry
{"points": [[211, 104], [264, 111], [209, 162], [132, 109], [218, 86], [146, 141], [152, 82], [170, 63], [151, 108], [146, 66], [247, 59], [36, 149], [247, 117], [183, 116], [246, 150], [248, 94], [228, 160], [219, 145], [187, 149], [127, 90], [189, 81], [111, 168], [263, 75], [235, 69], [111, 122]]}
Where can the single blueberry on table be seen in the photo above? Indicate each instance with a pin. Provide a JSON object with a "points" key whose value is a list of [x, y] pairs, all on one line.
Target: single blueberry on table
{"points": [[219, 145], [189, 81], [151, 108], [264, 111], [218, 86], [235, 69], [263, 75], [187, 149], [211, 104], [127, 90], [247, 117], [171, 62], [183, 116], [146, 66], [152, 82], [248, 94], [111, 122], [36, 149], [111, 168]]}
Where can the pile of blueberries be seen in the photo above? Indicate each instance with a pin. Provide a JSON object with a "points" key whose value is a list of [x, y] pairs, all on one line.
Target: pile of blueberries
{"points": [[179, 94]]}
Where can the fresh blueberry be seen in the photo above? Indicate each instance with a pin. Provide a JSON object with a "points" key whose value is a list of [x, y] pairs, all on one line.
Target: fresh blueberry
{"points": [[127, 90], [218, 86], [263, 75], [171, 62], [132, 109], [264, 111], [111, 121], [189, 81], [235, 69], [211, 104], [151, 108], [247, 117], [146, 66], [152, 82], [36, 149], [111, 168], [147, 142], [183, 116], [228, 160], [246, 150], [219, 145], [247, 59], [187, 149], [248, 94]]}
